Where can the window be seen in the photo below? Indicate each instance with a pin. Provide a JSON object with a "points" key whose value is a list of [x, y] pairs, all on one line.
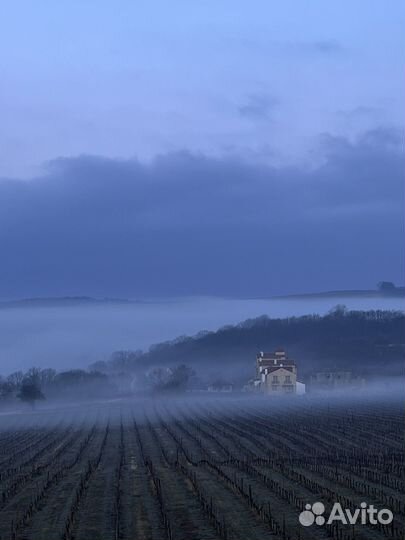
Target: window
{"points": [[275, 379], [288, 379]]}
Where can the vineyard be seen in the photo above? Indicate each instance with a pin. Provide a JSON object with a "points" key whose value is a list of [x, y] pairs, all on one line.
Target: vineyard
{"points": [[199, 470]]}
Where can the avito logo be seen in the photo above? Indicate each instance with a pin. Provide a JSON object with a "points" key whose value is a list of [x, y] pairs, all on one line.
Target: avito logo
{"points": [[366, 514]]}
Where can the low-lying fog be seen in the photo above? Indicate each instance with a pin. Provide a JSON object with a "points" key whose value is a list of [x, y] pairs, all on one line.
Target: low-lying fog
{"points": [[382, 395], [77, 335]]}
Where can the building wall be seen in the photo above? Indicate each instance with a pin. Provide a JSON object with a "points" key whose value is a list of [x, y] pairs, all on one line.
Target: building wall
{"points": [[331, 378], [280, 381], [334, 380]]}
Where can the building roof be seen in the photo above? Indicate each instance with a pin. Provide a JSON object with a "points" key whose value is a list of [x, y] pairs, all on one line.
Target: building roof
{"points": [[276, 362], [274, 358], [271, 369]]}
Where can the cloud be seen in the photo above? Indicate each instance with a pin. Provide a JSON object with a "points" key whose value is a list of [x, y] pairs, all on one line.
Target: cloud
{"points": [[319, 47], [359, 112], [258, 107], [192, 224], [325, 46]]}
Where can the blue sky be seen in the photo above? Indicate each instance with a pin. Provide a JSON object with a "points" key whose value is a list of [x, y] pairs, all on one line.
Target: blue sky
{"points": [[285, 118], [133, 79]]}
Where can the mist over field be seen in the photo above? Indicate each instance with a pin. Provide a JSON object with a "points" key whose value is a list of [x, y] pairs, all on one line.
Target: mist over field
{"points": [[385, 392], [76, 335]]}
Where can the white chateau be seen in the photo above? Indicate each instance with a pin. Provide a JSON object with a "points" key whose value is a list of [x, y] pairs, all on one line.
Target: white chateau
{"points": [[276, 374]]}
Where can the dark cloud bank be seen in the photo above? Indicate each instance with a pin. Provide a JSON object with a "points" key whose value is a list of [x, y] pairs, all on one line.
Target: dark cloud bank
{"points": [[190, 224]]}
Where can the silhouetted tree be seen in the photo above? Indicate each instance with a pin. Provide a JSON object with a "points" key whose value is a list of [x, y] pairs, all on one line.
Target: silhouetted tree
{"points": [[10, 385], [6, 389], [338, 311], [179, 378], [15, 379], [30, 393], [47, 376], [386, 286]]}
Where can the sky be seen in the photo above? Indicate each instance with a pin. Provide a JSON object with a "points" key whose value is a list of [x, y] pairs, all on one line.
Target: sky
{"points": [[216, 148]]}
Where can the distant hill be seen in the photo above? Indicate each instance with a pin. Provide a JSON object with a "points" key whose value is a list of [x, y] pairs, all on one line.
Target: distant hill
{"points": [[60, 302], [389, 290], [368, 343], [384, 289]]}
